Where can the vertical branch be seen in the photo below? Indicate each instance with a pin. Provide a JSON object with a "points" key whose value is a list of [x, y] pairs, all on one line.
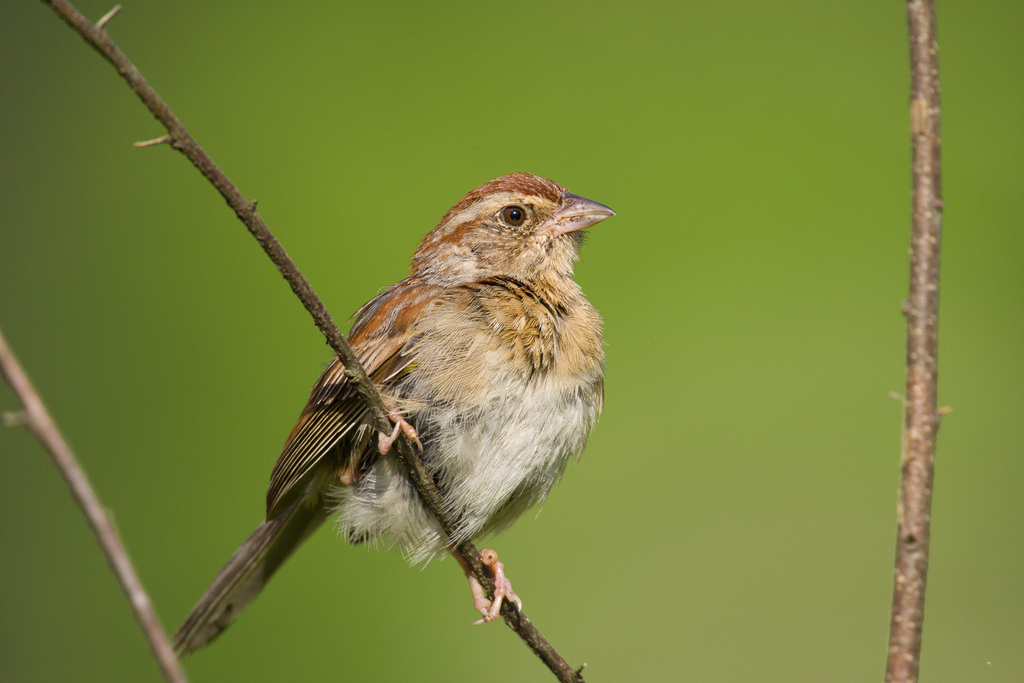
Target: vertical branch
{"points": [[921, 420], [38, 421]]}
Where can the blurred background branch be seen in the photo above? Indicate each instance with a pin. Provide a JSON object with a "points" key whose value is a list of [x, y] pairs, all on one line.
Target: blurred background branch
{"points": [[922, 416], [37, 419]]}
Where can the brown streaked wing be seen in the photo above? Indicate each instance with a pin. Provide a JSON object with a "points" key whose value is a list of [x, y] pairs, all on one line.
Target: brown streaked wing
{"points": [[379, 338], [334, 408]]}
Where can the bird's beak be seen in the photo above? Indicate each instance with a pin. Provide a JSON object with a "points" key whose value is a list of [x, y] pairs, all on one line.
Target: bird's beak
{"points": [[577, 213]]}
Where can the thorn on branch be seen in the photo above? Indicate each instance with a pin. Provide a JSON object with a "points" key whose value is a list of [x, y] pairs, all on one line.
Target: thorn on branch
{"points": [[162, 140], [102, 23]]}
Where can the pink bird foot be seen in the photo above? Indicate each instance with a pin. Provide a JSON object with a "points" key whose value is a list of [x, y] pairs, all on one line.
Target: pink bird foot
{"points": [[502, 589], [384, 442]]}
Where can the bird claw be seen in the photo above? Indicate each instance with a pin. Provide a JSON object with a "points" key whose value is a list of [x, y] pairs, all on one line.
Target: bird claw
{"points": [[502, 589], [384, 442]]}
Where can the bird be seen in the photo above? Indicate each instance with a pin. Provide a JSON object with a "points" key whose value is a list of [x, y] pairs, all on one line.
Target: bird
{"points": [[489, 359]]}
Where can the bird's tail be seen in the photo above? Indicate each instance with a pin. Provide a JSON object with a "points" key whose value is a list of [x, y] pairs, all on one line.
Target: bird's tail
{"points": [[245, 574]]}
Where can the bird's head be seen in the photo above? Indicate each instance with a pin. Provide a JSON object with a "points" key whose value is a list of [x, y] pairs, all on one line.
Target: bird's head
{"points": [[518, 225]]}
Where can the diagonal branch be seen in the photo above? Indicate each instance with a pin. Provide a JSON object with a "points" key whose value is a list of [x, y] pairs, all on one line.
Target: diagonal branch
{"points": [[921, 420], [179, 138], [38, 421]]}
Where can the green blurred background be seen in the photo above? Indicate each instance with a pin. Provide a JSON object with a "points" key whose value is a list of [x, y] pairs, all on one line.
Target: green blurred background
{"points": [[733, 518]]}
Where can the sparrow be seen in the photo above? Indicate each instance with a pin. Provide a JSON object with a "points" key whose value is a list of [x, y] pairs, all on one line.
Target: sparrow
{"points": [[489, 359]]}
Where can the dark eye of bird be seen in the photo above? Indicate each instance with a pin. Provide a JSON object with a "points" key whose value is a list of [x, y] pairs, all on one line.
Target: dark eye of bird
{"points": [[513, 215]]}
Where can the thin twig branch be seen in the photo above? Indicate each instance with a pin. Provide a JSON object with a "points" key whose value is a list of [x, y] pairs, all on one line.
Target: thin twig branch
{"points": [[38, 421], [922, 416], [180, 140]]}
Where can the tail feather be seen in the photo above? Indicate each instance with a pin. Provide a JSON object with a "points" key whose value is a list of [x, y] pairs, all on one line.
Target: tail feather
{"points": [[245, 574]]}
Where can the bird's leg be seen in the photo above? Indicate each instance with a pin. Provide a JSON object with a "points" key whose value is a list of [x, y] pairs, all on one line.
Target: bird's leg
{"points": [[384, 441], [502, 587]]}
